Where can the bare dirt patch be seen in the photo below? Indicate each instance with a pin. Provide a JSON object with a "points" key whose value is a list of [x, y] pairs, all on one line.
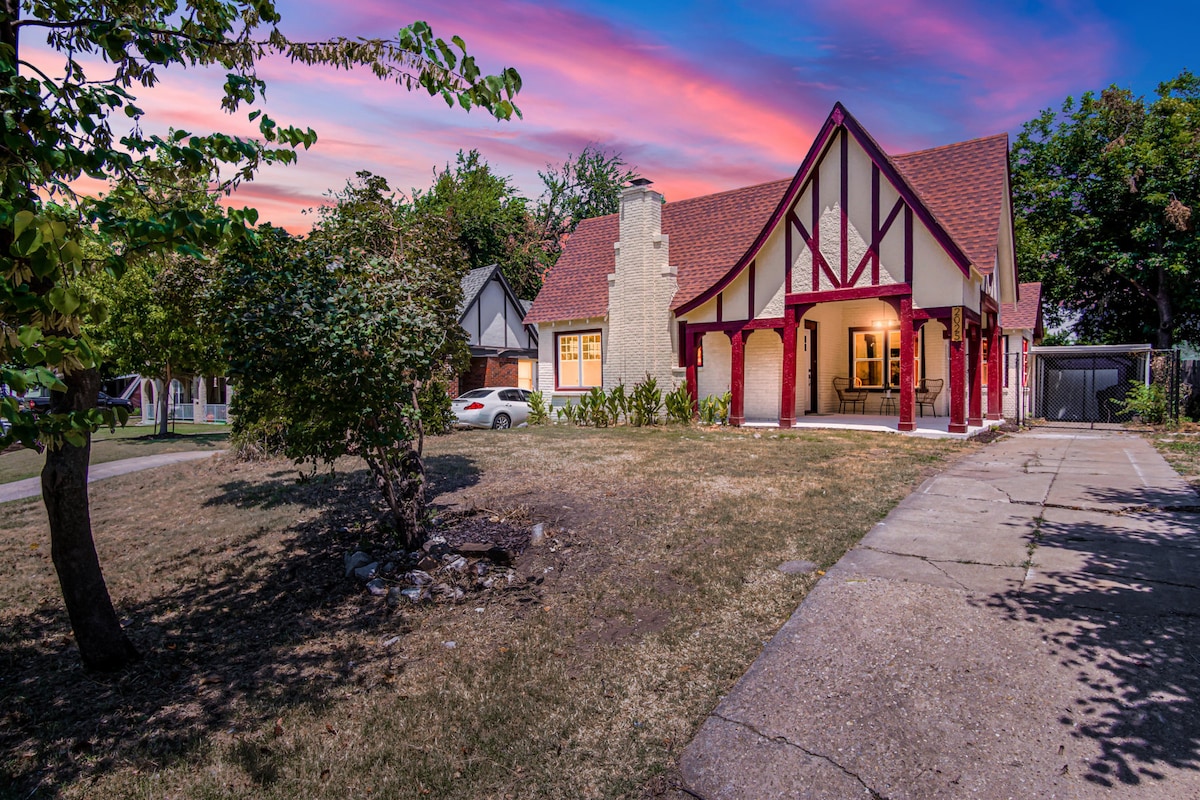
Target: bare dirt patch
{"points": [[581, 673]]}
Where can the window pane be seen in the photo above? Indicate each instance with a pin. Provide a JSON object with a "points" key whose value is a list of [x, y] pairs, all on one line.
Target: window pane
{"points": [[591, 347]]}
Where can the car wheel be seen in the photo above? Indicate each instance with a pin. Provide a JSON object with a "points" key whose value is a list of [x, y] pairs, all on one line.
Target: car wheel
{"points": [[502, 422]]}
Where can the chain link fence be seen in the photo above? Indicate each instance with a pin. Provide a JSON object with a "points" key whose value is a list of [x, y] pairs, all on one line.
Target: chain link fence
{"points": [[1095, 386]]}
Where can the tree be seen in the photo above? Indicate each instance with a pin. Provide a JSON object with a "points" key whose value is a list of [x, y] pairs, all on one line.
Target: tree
{"points": [[584, 187], [344, 350], [160, 321], [1104, 194], [58, 128], [492, 222]]}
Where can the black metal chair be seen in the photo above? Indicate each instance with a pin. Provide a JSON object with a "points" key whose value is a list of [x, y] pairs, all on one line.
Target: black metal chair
{"points": [[927, 393], [846, 394]]}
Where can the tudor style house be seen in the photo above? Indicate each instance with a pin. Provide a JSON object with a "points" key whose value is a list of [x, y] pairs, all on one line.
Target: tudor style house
{"points": [[883, 273], [504, 351]]}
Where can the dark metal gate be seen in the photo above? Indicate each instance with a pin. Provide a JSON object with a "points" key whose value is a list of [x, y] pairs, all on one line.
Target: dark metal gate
{"points": [[1092, 384]]}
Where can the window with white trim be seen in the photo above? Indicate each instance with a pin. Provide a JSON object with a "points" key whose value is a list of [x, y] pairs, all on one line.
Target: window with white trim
{"points": [[875, 358], [580, 360]]}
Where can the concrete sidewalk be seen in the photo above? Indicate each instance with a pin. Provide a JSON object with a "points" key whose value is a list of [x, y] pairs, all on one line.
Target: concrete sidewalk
{"points": [[32, 487], [1024, 625]]}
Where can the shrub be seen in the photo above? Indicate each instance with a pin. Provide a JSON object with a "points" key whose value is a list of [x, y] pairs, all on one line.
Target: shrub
{"points": [[645, 403], [679, 405], [537, 409], [714, 409], [568, 412], [618, 404], [1148, 403]]}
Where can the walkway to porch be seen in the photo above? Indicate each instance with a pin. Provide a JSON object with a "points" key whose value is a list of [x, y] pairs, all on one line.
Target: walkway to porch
{"points": [[934, 427]]}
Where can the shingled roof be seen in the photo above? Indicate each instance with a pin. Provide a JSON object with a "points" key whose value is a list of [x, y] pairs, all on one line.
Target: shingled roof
{"points": [[1026, 313], [962, 185]]}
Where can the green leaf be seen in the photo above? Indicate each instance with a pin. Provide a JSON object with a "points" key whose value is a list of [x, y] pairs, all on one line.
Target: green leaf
{"points": [[22, 221]]}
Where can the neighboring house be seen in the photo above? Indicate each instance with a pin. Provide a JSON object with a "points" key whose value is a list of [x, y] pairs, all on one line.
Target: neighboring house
{"points": [[1023, 329], [191, 398], [504, 350], [880, 270]]}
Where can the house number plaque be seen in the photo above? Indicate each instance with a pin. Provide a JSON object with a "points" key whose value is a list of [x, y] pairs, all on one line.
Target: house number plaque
{"points": [[956, 324]]}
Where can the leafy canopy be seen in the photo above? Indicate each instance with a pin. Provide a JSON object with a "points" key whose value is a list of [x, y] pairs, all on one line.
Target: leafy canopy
{"points": [[1105, 198]]}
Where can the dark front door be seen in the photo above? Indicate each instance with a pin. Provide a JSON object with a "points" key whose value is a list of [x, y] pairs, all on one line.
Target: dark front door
{"points": [[810, 348]]}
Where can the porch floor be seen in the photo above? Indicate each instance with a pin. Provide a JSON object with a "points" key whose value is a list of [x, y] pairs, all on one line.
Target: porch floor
{"points": [[933, 427]]}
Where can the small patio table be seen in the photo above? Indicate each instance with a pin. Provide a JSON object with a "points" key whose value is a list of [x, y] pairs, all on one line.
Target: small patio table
{"points": [[887, 405]]}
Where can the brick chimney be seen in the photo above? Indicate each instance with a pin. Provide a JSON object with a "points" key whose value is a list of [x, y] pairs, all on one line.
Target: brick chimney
{"points": [[639, 293]]}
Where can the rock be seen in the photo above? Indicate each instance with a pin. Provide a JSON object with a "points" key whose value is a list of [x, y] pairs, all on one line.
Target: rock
{"points": [[394, 596], [367, 572], [458, 564], [445, 591], [479, 569], [797, 567], [433, 542], [537, 536], [389, 568], [414, 593], [450, 645], [427, 563], [418, 577], [377, 587], [356, 560], [491, 552]]}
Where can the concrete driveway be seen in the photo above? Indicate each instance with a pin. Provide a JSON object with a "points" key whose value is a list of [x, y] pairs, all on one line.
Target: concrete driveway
{"points": [[1024, 625]]}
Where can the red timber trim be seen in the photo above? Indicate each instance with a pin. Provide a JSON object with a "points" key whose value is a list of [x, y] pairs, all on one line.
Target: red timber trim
{"points": [[737, 377], [839, 117], [770, 323], [908, 394], [995, 364], [873, 252], [988, 303], [942, 314], [814, 239], [787, 399], [975, 372], [844, 203], [958, 389], [908, 245], [786, 204], [750, 281], [853, 293], [693, 337], [721, 307]]}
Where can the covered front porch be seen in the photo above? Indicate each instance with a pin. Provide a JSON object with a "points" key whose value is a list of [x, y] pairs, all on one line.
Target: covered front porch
{"points": [[906, 368], [931, 427]]}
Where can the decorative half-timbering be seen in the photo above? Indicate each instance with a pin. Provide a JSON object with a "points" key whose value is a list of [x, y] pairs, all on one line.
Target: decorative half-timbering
{"points": [[884, 272], [503, 347]]}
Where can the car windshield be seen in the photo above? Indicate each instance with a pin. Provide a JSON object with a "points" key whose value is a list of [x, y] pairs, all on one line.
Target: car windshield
{"points": [[474, 394]]}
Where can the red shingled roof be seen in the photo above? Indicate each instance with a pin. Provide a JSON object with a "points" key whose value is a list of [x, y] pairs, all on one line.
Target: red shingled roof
{"points": [[1026, 313], [962, 185]]}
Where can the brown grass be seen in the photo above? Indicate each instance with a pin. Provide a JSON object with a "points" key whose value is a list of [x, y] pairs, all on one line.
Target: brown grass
{"points": [[1181, 449], [267, 674]]}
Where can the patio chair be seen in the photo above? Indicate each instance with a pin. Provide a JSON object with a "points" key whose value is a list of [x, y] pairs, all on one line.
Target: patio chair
{"points": [[927, 393], [846, 394]]}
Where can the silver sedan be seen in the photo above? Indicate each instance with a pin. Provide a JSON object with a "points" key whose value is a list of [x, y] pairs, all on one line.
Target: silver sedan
{"points": [[498, 407]]}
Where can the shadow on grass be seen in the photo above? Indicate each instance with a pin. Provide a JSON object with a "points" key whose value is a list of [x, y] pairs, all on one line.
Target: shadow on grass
{"points": [[256, 636], [1123, 620], [200, 440]]}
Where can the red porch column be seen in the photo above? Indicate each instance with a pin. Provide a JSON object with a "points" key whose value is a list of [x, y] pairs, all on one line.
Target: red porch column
{"points": [[908, 394], [737, 377], [995, 409], [975, 413], [690, 338], [958, 385], [787, 399]]}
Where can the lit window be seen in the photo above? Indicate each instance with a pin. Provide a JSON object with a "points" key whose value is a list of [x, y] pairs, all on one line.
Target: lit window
{"points": [[579, 360], [868, 357], [984, 353]]}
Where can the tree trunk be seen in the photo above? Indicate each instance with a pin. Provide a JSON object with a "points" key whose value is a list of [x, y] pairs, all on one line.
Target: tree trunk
{"points": [[102, 644], [164, 399], [1165, 336]]}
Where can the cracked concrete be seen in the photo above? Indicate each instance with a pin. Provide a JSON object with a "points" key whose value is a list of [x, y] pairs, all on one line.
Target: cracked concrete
{"points": [[1020, 626]]}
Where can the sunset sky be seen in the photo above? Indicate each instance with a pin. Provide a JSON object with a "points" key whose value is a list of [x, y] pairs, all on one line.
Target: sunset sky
{"points": [[699, 96]]}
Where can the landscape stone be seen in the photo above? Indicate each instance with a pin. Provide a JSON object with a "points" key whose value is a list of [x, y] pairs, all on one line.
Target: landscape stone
{"points": [[367, 572], [356, 560], [377, 587]]}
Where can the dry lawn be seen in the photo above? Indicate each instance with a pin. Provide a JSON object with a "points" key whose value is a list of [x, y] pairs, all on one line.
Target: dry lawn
{"points": [[1181, 448], [268, 675]]}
